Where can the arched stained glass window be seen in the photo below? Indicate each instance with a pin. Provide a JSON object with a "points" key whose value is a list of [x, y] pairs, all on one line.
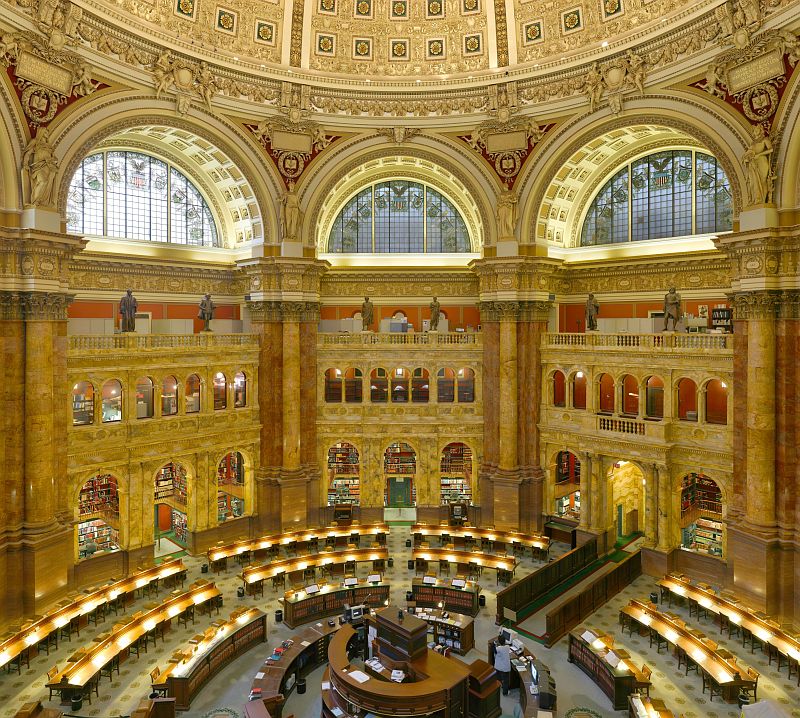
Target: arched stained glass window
{"points": [[399, 216], [668, 194], [134, 196]]}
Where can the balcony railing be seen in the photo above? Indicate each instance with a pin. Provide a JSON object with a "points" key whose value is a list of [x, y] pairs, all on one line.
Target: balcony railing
{"points": [[427, 339], [666, 342], [621, 426], [90, 343]]}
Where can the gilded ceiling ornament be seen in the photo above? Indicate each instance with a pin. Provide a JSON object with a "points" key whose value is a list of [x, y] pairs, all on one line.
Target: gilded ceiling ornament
{"points": [[613, 79], [185, 79], [399, 134], [738, 20]]}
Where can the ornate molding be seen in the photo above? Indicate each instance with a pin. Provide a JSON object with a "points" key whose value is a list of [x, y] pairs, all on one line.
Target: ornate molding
{"points": [[34, 306], [615, 79], [500, 311]]}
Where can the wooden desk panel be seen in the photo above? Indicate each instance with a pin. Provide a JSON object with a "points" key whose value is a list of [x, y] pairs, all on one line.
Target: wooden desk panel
{"points": [[60, 617], [299, 607], [265, 543], [484, 560], [508, 538], [644, 707], [326, 558], [220, 645], [460, 600], [590, 656], [78, 673]]}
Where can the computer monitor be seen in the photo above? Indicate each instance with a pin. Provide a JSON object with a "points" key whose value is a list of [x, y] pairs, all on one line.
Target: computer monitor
{"points": [[351, 581], [374, 578], [312, 588], [534, 674], [429, 580], [505, 634], [458, 583], [356, 613]]}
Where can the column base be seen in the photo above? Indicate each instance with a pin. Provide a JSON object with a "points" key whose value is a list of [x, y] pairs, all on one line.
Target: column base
{"points": [[507, 502], [294, 504], [46, 573], [758, 572]]}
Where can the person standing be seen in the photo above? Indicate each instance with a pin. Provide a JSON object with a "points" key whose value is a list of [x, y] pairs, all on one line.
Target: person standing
{"points": [[502, 663]]}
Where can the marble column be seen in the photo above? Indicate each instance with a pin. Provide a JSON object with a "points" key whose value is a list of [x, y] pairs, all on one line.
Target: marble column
{"points": [[597, 522], [45, 539], [651, 507], [662, 480], [761, 341], [586, 491], [508, 459], [266, 324], [291, 395]]}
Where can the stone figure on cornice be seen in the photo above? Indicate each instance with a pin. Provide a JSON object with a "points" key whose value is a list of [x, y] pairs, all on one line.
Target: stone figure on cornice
{"points": [[713, 81], [39, 169], [82, 80], [206, 83], [9, 46], [591, 311], [739, 19], [367, 315], [594, 86], [757, 161], [162, 73], [46, 11]]}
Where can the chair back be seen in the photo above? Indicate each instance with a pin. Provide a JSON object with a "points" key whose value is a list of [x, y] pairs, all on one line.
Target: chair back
{"points": [[154, 674], [51, 674], [646, 671]]}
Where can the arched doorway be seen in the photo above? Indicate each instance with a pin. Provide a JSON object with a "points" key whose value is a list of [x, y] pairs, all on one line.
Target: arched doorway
{"points": [[455, 480], [98, 516], [702, 523], [567, 473], [230, 487], [399, 468], [627, 498], [170, 520], [343, 475]]}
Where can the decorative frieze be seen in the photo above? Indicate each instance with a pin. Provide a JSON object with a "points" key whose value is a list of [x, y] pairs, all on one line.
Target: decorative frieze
{"points": [[277, 311]]}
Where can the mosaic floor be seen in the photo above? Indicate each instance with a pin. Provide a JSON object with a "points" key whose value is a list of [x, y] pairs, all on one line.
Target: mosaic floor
{"points": [[224, 696]]}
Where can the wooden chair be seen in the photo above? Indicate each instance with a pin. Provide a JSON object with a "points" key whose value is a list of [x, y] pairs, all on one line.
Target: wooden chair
{"points": [[420, 567], [309, 574], [752, 676], [51, 676], [184, 617], [714, 688], [110, 668], [279, 580], [49, 641], [659, 639], [444, 568], [642, 679]]}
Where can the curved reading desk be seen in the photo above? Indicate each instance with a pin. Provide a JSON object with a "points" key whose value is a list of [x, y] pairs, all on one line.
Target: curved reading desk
{"points": [[440, 686]]}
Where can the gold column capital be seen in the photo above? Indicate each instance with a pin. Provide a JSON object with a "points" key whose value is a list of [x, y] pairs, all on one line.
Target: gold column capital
{"points": [[758, 305], [34, 306], [506, 311], [279, 311]]}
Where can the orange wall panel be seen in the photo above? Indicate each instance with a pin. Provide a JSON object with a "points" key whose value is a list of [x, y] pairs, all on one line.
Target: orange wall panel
{"points": [[91, 310]]}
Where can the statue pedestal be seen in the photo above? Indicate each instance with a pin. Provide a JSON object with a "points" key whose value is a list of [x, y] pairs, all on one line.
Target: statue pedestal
{"points": [[367, 331], [39, 218], [761, 216]]}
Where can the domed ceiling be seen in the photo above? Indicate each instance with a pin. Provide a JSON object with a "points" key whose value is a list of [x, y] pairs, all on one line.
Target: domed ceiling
{"points": [[400, 39]]}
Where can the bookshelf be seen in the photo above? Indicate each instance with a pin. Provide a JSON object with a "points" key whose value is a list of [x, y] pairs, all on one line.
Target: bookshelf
{"points": [[705, 535], [568, 468], [343, 475], [461, 600], [99, 495], [569, 506], [722, 318], [105, 536], [231, 470], [179, 526], [400, 459], [456, 474], [698, 492], [456, 632], [171, 484], [83, 408]]}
